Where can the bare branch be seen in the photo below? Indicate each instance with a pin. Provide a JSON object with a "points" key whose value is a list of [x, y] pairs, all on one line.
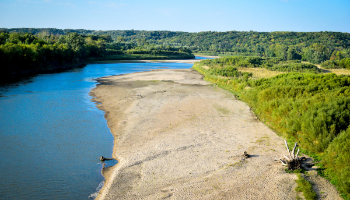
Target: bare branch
{"points": [[283, 163], [294, 150], [287, 158], [297, 154], [288, 148]]}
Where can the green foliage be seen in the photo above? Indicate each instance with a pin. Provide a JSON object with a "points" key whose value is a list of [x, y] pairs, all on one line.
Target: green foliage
{"points": [[314, 47], [23, 53], [330, 64], [294, 67], [305, 187], [228, 71], [338, 55], [239, 61], [311, 109], [344, 63], [273, 64], [295, 171], [316, 53], [336, 161], [336, 64]]}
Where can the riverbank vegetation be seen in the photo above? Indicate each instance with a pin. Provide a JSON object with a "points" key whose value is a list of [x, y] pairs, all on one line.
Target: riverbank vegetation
{"points": [[305, 187], [312, 47], [25, 53], [272, 64], [310, 108]]}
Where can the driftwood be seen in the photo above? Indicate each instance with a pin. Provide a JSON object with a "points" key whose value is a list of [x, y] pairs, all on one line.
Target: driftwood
{"points": [[246, 155], [104, 159], [292, 161]]}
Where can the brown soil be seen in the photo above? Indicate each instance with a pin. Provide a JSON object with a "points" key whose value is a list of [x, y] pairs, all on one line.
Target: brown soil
{"points": [[178, 137]]}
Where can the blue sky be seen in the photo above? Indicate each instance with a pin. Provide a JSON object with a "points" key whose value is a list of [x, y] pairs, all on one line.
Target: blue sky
{"points": [[178, 15]]}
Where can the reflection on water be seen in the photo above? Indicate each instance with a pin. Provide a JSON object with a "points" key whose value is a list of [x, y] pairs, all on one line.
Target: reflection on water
{"points": [[52, 135]]}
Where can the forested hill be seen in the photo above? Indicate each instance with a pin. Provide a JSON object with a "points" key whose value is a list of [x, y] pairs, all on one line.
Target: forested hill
{"points": [[23, 54], [315, 47]]}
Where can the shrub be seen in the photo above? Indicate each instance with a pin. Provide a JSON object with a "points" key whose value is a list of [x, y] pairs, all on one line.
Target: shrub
{"points": [[330, 64], [336, 161], [294, 67], [345, 63]]}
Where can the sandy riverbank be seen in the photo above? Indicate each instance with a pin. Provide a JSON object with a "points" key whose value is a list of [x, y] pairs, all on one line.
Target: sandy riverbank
{"points": [[178, 137]]}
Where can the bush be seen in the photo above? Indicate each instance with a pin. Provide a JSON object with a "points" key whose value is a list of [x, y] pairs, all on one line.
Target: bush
{"points": [[330, 64], [345, 63], [294, 67], [335, 64], [237, 61], [228, 71], [336, 161]]}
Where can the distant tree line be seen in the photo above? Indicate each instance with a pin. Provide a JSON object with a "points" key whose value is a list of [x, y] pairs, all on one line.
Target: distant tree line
{"points": [[315, 47], [27, 52], [23, 53]]}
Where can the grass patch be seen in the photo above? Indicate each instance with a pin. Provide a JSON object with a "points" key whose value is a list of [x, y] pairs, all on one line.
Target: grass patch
{"points": [[305, 187], [260, 72]]}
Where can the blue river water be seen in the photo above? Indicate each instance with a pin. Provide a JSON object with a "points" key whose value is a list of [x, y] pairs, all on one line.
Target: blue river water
{"points": [[52, 135]]}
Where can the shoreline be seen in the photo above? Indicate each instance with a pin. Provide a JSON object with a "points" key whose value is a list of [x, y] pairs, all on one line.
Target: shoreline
{"points": [[189, 61]]}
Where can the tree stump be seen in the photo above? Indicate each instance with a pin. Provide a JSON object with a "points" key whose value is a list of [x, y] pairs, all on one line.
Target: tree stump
{"points": [[292, 161]]}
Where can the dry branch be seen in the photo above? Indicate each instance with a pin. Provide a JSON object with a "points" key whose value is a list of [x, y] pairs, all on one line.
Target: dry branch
{"points": [[293, 161]]}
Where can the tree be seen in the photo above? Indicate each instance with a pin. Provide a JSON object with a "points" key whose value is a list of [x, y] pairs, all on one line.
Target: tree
{"points": [[120, 39], [292, 54], [75, 41]]}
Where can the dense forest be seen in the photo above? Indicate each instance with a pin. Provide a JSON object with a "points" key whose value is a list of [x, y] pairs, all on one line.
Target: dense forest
{"points": [[310, 108], [314, 47], [27, 53]]}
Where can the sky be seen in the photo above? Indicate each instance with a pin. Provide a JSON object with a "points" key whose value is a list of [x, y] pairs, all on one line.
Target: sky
{"points": [[178, 15]]}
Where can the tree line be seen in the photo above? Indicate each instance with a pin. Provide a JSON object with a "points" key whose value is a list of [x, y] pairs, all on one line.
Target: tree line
{"points": [[23, 53], [314, 47]]}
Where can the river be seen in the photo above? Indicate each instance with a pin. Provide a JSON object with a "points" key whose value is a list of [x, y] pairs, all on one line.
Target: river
{"points": [[52, 135]]}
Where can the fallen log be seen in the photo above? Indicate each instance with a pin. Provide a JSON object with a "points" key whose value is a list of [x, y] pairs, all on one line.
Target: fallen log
{"points": [[104, 159]]}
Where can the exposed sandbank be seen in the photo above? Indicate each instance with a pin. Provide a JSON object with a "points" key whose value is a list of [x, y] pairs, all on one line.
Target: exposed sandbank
{"points": [[178, 137]]}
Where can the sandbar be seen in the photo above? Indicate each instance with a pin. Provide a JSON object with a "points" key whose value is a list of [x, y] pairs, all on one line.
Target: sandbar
{"points": [[177, 136]]}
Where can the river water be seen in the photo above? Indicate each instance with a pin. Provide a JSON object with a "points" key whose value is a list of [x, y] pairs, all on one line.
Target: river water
{"points": [[52, 135]]}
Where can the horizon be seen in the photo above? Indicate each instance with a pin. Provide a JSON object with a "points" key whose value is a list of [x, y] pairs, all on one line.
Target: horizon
{"points": [[194, 16], [176, 31]]}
